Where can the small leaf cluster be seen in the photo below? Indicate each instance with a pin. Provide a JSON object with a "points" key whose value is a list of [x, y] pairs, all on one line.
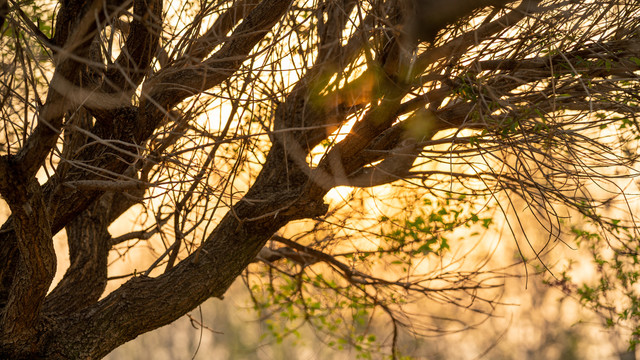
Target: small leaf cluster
{"points": [[614, 293], [427, 233]]}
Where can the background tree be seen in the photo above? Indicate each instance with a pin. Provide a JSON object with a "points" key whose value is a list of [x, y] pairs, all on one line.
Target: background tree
{"points": [[228, 120]]}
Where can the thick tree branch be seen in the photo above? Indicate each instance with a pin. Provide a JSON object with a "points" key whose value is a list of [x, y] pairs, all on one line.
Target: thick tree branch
{"points": [[207, 272], [37, 260], [460, 43], [216, 34], [74, 37], [425, 18], [4, 10], [126, 73], [395, 166], [89, 245], [338, 13], [343, 159]]}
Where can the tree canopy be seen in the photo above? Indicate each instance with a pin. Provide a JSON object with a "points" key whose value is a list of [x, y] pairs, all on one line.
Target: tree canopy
{"points": [[321, 149]]}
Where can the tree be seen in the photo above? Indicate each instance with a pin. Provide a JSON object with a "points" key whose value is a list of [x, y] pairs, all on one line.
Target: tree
{"points": [[112, 105]]}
